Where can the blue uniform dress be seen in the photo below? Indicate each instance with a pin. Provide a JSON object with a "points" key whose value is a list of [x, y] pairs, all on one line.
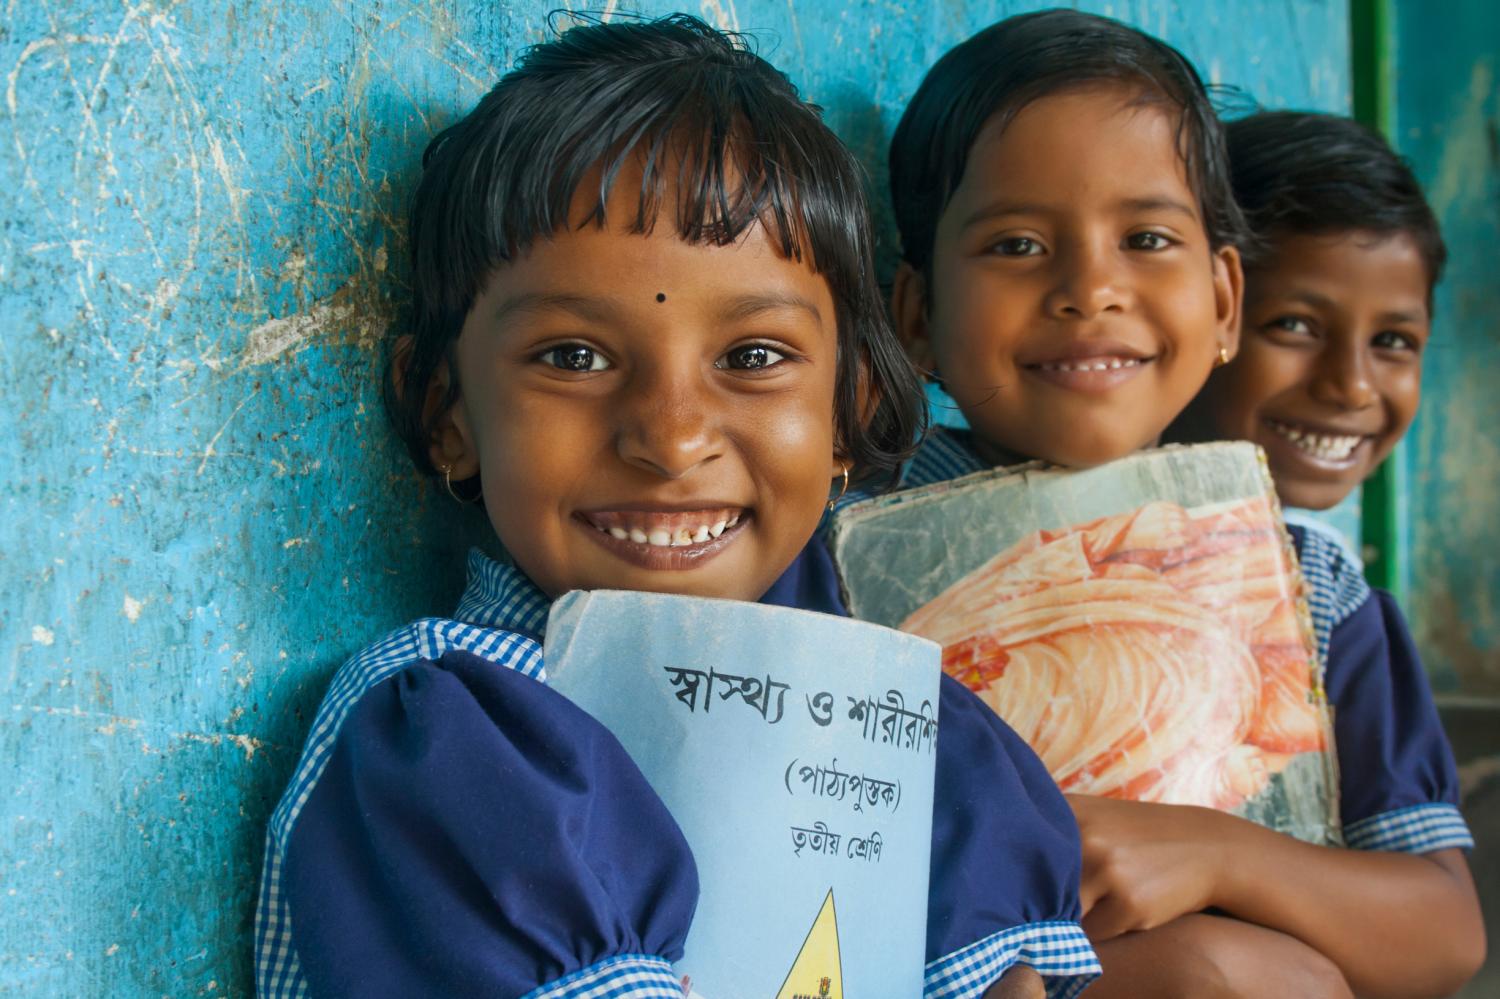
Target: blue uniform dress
{"points": [[456, 828], [1398, 788], [1006, 859]]}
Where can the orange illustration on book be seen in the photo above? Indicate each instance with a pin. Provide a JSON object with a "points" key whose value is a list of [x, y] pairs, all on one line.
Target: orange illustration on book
{"points": [[1154, 655]]}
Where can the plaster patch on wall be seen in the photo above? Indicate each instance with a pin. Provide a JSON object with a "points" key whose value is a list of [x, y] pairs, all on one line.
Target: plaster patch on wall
{"points": [[335, 318], [1463, 171]]}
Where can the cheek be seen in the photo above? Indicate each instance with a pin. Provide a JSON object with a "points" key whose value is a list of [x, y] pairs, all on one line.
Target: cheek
{"points": [[790, 443], [1403, 394]]}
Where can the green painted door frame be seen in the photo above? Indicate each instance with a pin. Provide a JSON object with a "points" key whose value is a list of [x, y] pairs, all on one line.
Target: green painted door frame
{"points": [[1382, 500]]}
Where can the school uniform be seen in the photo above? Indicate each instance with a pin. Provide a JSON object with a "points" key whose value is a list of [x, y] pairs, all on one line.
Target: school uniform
{"points": [[1006, 859], [455, 827], [1398, 786]]}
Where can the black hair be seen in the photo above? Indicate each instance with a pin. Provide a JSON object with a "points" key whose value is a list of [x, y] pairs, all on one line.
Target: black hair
{"points": [[1005, 67], [1299, 172], [706, 118]]}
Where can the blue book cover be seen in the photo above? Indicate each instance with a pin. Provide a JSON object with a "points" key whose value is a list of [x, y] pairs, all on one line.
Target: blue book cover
{"points": [[796, 751]]}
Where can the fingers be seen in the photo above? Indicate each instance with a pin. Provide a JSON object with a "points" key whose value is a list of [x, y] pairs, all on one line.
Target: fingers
{"points": [[1110, 917]]}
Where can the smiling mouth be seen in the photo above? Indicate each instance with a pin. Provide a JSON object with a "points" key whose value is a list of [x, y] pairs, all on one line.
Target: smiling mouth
{"points": [[1095, 374], [678, 539], [1092, 364], [1326, 447]]}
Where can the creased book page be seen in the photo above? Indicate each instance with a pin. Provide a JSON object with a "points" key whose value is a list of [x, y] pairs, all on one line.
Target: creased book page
{"points": [[1143, 624], [796, 752]]}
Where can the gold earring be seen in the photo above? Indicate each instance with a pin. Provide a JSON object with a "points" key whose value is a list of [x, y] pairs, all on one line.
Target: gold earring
{"points": [[447, 471], [1223, 357], [842, 489]]}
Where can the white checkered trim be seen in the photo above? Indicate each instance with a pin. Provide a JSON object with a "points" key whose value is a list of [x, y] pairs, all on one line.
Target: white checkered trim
{"points": [[1416, 829], [498, 596], [1335, 585], [1059, 951], [629, 976]]}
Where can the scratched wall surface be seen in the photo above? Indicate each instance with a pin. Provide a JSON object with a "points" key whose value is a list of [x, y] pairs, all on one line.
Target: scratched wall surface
{"points": [[1448, 122], [202, 513]]}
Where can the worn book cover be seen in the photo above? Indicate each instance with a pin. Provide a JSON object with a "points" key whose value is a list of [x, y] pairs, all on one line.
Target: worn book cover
{"points": [[796, 751], [1143, 624]]}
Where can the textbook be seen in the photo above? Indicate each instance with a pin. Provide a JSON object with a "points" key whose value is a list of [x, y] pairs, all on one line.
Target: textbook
{"points": [[1143, 625], [797, 752]]}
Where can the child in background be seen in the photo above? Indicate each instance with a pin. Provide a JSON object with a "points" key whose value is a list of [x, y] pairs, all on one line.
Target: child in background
{"points": [[1071, 276], [1338, 304], [646, 333]]}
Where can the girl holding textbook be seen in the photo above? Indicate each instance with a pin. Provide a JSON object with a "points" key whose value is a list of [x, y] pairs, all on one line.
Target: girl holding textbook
{"points": [[645, 334], [1071, 275]]}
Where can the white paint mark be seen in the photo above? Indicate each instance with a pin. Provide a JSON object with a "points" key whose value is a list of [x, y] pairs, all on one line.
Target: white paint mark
{"points": [[291, 334], [721, 14], [132, 609], [294, 542], [1463, 169], [112, 950], [43, 636]]}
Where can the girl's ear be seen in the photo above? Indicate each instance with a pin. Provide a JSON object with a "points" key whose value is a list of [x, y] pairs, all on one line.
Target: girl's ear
{"points": [[450, 439], [1229, 296], [909, 313]]}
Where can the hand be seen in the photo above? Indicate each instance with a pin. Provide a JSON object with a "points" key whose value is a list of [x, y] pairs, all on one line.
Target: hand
{"points": [[1146, 864]]}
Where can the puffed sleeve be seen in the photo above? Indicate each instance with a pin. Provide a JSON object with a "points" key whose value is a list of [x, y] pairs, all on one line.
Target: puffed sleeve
{"points": [[1006, 861], [476, 834], [1398, 785]]}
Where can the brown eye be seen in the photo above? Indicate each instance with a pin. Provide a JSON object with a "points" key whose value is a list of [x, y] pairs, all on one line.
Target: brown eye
{"points": [[1017, 246], [1391, 340], [751, 357], [573, 357], [1148, 241]]}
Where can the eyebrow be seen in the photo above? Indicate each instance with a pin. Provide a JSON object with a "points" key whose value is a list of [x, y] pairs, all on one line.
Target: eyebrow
{"points": [[746, 306], [1003, 209], [1318, 300], [601, 309], [582, 306]]}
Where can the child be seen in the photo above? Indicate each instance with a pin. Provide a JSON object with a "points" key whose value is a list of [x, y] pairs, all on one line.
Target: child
{"points": [[1071, 276], [1338, 299], [646, 334]]}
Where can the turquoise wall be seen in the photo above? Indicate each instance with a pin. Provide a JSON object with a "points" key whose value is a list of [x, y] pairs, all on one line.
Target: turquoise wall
{"points": [[1447, 120], [202, 513]]}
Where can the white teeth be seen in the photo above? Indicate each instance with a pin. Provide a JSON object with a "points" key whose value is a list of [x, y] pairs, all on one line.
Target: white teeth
{"points": [[659, 538], [619, 533], [1330, 447], [1101, 364], [717, 529], [733, 520], [701, 535], [637, 535]]}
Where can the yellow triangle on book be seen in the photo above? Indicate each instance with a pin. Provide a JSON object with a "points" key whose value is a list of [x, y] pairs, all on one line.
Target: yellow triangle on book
{"points": [[816, 974]]}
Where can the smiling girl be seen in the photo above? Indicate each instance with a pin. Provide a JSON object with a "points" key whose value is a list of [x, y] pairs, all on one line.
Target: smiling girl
{"points": [[646, 336]]}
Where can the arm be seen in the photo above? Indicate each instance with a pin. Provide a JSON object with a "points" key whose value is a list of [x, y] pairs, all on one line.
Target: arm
{"points": [[1020, 982], [1003, 891], [1199, 956], [474, 833], [1395, 924]]}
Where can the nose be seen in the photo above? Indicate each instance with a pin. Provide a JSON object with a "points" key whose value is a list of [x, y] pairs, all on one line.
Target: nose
{"points": [[1343, 378], [666, 422], [1089, 281]]}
